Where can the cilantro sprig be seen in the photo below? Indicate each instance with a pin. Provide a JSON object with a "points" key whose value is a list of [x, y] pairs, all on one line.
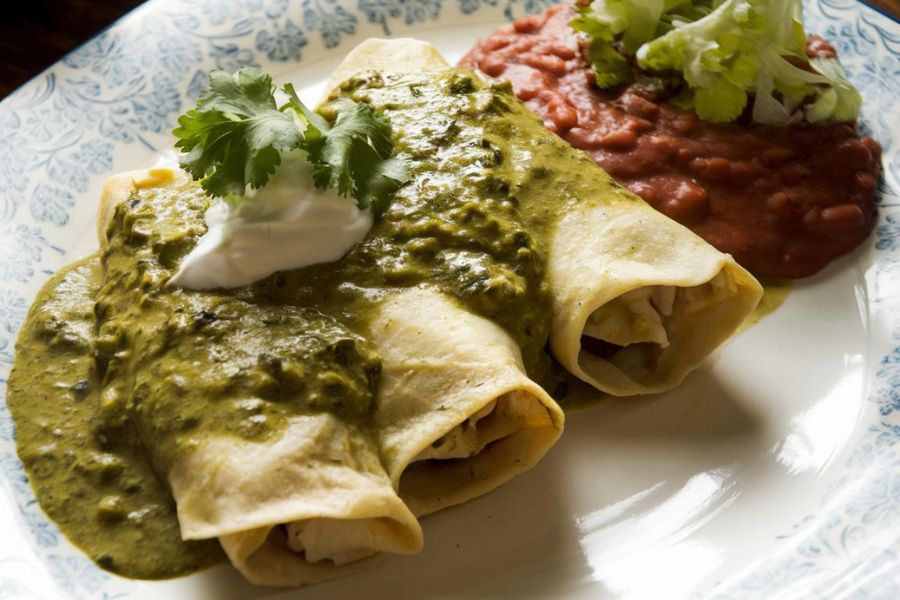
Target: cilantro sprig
{"points": [[237, 134]]}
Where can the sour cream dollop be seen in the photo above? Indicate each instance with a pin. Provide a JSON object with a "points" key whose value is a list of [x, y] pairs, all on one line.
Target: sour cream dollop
{"points": [[287, 224]]}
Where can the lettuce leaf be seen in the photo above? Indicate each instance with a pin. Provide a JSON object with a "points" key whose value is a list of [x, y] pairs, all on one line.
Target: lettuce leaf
{"points": [[755, 47], [619, 27], [728, 51]]}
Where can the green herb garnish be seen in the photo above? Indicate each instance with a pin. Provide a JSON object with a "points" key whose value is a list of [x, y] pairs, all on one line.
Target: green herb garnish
{"points": [[237, 134]]}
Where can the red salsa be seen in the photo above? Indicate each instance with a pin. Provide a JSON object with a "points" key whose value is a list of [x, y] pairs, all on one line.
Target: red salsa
{"points": [[784, 201]]}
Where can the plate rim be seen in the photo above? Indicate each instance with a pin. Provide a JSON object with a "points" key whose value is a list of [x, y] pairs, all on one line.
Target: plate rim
{"points": [[879, 263]]}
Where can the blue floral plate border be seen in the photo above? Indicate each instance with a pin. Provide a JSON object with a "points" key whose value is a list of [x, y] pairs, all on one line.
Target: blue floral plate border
{"points": [[62, 133]]}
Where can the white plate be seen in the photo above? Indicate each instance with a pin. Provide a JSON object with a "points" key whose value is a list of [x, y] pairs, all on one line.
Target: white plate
{"points": [[773, 472]]}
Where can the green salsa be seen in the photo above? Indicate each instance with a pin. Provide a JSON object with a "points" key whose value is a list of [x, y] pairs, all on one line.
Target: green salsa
{"points": [[117, 374], [97, 484], [775, 292], [183, 365]]}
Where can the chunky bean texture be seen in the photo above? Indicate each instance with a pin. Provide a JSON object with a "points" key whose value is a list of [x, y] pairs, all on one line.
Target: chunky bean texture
{"points": [[784, 201]]}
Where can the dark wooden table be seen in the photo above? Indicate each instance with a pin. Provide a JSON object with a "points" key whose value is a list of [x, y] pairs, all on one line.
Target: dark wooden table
{"points": [[891, 7], [36, 33]]}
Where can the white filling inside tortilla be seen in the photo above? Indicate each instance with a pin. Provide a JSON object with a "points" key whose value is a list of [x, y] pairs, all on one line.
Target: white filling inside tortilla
{"points": [[496, 420], [340, 541], [641, 320], [634, 317]]}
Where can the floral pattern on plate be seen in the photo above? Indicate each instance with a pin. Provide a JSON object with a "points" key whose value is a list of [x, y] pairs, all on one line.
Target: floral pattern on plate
{"points": [[65, 130]]}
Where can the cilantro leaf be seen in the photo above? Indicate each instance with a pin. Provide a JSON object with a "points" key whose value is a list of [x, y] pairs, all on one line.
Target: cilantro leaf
{"points": [[354, 154], [382, 180], [235, 135], [315, 123]]}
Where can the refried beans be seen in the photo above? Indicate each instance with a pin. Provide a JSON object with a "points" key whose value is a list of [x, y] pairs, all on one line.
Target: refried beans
{"points": [[784, 201]]}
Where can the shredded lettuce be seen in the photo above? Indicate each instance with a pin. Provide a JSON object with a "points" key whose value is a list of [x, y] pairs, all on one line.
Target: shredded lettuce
{"points": [[726, 51], [618, 27]]}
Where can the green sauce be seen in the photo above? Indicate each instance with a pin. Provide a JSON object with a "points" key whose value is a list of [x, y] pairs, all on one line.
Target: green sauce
{"points": [[775, 292], [186, 365], [98, 486], [116, 374], [488, 183]]}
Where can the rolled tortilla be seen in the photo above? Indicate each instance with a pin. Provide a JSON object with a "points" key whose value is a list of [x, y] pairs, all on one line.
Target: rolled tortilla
{"points": [[308, 502], [457, 416], [399, 55], [638, 300], [309, 507], [655, 295]]}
